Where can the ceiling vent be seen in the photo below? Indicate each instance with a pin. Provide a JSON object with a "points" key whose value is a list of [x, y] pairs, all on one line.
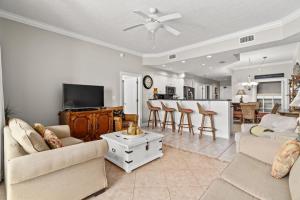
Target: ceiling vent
{"points": [[172, 56], [246, 39]]}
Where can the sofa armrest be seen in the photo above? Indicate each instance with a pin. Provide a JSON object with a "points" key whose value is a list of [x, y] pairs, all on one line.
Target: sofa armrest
{"points": [[260, 148], [245, 127], [33, 165], [61, 131]]}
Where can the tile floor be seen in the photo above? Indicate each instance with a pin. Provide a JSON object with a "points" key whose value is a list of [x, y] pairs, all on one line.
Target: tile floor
{"points": [[177, 175], [222, 149]]}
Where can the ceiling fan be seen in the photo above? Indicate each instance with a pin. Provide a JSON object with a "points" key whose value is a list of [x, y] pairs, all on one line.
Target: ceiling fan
{"points": [[154, 22]]}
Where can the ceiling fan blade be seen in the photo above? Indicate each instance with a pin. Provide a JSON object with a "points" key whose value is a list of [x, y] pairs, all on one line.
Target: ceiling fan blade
{"points": [[169, 17], [171, 30], [132, 27], [140, 13]]}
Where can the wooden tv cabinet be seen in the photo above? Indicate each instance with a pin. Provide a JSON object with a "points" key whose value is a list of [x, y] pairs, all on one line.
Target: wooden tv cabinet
{"points": [[88, 125]]}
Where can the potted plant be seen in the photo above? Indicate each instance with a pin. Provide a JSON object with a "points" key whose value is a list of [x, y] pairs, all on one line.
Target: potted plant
{"points": [[8, 112]]}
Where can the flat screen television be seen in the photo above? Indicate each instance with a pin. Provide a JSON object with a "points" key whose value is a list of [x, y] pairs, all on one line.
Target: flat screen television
{"points": [[82, 96]]}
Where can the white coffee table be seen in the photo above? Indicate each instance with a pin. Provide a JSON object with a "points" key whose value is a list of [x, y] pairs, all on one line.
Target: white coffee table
{"points": [[130, 154]]}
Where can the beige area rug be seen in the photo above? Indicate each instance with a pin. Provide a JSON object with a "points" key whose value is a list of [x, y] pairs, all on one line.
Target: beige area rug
{"points": [[178, 175]]}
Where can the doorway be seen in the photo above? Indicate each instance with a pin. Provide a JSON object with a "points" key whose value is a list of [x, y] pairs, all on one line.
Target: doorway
{"points": [[131, 93]]}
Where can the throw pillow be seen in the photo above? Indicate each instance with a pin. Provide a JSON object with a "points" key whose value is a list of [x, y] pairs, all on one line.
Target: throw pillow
{"points": [[52, 140], [27, 137], [259, 131], [40, 128], [285, 158]]}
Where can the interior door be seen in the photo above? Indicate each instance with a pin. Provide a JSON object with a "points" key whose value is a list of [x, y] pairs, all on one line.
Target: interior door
{"points": [[130, 95]]}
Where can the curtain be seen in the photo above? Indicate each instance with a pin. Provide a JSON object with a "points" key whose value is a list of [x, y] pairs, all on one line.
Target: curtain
{"points": [[2, 120]]}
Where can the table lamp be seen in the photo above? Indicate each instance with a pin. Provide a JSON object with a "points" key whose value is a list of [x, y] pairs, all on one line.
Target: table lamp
{"points": [[241, 93], [296, 103]]}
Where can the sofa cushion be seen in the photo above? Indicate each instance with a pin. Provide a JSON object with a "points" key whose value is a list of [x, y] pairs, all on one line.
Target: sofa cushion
{"points": [[221, 190], [12, 148], [70, 141], [285, 158], [254, 177], [26, 136], [262, 149], [279, 123], [294, 180]]}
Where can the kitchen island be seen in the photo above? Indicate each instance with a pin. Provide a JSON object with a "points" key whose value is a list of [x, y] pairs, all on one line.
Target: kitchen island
{"points": [[223, 119]]}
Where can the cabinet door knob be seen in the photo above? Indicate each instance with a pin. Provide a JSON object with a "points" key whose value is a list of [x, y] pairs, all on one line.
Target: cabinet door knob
{"points": [[113, 150]]}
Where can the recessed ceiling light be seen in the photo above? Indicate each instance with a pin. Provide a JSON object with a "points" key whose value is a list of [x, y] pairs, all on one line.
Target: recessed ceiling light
{"points": [[164, 65], [209, 57], [203, 64], [122, 55], [183, 61]]}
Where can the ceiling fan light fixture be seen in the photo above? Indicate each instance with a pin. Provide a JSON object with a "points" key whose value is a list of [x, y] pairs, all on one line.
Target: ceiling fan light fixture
{"points": [[183, 61], [249, 84], [153, 22]]}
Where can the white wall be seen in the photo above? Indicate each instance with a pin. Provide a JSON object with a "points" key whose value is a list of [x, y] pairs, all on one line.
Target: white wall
{"points": [[296, 57], [239, 76], [37, 62], [225, 92], [225, 89]]}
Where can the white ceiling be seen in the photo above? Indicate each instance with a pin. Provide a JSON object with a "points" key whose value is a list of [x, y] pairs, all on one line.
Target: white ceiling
{"points": [[213, 69], [204, 67], [105, 19], [276, 54]]}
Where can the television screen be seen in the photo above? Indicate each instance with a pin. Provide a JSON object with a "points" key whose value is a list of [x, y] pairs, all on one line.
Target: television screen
{"points": [[82, 96]]}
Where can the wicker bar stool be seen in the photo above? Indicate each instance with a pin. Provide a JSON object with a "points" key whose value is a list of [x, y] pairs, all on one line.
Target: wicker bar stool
{"points": [[170, 111], [155, 115], [210, 115], [187, 112]]}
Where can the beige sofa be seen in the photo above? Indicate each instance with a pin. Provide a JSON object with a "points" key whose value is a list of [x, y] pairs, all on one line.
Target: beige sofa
{"points": [[248, 176], [72, 172]]}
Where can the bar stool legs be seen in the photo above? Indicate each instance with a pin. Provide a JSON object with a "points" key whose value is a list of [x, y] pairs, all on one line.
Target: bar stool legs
{"points": [[210, 115], [209, 129], [181, 125], [165, 122], [154, 112], [155, 119]]}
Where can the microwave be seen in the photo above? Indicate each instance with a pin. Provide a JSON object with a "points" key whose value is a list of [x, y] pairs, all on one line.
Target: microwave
{"points": [[170, 90]]}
